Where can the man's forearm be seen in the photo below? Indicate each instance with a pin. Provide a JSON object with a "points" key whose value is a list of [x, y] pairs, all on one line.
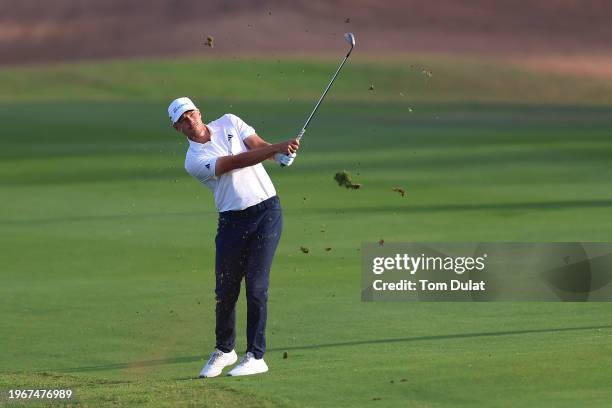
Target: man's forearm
{"points": [[256, 141], [246, 159], [264, 144], [256, 155]]}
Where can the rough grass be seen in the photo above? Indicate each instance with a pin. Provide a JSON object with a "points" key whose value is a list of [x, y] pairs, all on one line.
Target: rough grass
{"points": [[138, 392]]}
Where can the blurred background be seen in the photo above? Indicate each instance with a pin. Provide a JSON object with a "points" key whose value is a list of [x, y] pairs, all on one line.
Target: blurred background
{"points": [[68, 30]]}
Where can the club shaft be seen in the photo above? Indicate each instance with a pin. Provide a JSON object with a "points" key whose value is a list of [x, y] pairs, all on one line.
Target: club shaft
{"points": [[323, 96]]}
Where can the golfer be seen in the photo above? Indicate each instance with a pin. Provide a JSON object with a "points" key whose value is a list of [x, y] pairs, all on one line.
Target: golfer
{"points": [[226, 155]]}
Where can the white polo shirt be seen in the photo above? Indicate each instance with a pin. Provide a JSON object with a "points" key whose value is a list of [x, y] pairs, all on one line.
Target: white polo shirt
{"points": [[236, 189]]}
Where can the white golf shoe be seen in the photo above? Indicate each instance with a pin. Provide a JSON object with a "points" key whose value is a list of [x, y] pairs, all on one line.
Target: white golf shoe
{"points": [[249, 365], [217, 361]]}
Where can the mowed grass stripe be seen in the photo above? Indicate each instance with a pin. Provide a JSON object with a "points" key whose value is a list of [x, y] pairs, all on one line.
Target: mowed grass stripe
{"points": [[298, 79]]}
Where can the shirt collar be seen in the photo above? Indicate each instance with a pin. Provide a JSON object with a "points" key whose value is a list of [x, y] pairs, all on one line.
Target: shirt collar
{"points": [[200, 146]]}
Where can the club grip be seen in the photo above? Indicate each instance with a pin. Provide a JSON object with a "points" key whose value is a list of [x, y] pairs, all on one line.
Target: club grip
{"points": [[299, 136]]}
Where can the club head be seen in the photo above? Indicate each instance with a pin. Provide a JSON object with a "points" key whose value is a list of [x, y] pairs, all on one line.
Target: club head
{"points": [[350, 38]]}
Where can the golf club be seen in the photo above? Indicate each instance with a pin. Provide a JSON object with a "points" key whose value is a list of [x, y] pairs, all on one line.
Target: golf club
{"points": [[350, 38]]}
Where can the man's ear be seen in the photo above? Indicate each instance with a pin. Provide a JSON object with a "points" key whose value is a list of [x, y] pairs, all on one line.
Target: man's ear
{"points": [[175, 127]]}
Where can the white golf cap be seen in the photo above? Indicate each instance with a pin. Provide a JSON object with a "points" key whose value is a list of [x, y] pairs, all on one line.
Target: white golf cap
{"points": [[178, 107]]}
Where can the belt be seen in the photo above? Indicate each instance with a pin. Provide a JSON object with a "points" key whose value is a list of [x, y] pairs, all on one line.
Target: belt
{"points": [[254, 209]]}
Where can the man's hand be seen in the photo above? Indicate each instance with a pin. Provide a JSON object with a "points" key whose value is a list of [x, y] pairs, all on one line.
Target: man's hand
{"points": [[285, 159], [287, 153], [288, 147]]}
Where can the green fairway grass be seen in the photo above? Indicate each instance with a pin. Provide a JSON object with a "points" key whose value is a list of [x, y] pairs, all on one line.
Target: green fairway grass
{"points": [[107, 260], [290, 79]]}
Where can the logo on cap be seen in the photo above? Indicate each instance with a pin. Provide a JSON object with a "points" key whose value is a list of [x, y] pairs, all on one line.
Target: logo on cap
{"points": [[178, 107]]}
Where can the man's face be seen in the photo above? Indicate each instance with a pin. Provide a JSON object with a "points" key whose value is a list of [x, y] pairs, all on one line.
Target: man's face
{"points": [[190, 124]]}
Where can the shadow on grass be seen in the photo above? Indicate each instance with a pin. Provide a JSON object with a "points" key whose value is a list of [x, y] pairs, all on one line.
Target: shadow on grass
{"points": [[191, 359], [525, 206]]}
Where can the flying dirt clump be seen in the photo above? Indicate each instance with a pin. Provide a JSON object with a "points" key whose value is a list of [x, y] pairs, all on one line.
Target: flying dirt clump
{"points": [[343, 178], [400, 190], [304, 249], [427, 73], [371, 87], [209, 41]]}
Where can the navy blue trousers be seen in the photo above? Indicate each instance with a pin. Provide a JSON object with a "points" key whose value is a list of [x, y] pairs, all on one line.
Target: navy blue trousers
{"points": [[246, 242]]}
